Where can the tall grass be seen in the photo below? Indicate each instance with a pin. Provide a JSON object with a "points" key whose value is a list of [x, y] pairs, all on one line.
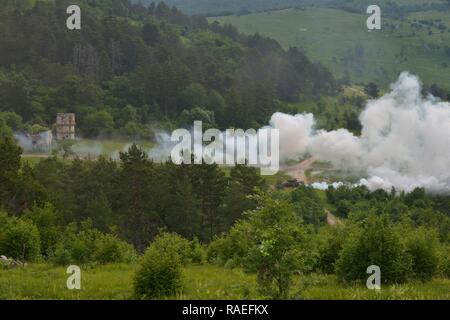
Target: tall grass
{"points": [[115, 282]]}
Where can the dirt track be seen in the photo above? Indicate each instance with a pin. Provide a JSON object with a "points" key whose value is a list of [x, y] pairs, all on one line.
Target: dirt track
{"points": [[297, 171], [332, 220]]}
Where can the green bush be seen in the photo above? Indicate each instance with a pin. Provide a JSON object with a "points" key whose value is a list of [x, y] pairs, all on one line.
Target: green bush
{"points": [[198, 252], [110, 249], [45, 218], [84, 244], [214, 251], [159, 274], [19, 239], [374, 242], [271, 242], [330, 241], [230, 249], [172, 242], [423, 247], [62, 255], [160, 271], [444, 261], [77, 245]]}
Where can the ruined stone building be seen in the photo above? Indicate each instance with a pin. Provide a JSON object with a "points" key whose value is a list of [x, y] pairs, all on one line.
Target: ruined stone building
{"points": [[35, 142], [65, 126], [42, 141]]}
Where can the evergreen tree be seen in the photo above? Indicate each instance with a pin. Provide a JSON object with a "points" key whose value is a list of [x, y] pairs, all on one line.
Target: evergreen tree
{"points": [[209, 183], [10, 161]]}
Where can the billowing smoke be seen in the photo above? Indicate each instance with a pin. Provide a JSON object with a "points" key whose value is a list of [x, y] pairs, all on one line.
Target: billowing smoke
{"points": [[39, 142], [92, 149], [324, 186], [161, 152], [24, 141], [405, 140]]}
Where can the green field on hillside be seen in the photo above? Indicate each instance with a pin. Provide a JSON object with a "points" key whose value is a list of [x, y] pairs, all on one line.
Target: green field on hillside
{"points": [[93, 148], [108, 148], [215, 7], [341, 41], [200, 282]]}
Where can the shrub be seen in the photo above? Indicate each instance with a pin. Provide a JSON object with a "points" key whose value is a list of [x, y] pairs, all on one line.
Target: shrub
{"points": [[273, 243], [444, 261], [45, 218], [198, 252], [19, 239], [85, 244], [214, 250], [62, 255], [230, 249], [374, 242], [77, 245], [172, 242], [423, 247], [159, 274], [160, 270], [330, 242], [110, 249]]}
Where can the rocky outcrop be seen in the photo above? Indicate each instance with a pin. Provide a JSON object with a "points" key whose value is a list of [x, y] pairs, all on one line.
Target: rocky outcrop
{"points": [[9, 263]]}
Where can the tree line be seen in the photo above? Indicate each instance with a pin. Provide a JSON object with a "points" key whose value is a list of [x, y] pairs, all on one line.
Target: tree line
{"points": [[134, 197]]}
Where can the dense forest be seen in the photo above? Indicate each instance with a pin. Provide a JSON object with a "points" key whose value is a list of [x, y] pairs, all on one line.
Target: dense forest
{"points": [[130, 67]]}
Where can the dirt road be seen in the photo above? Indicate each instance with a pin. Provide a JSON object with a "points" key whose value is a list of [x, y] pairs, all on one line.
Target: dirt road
{"points": [[332, 220], [297, 171]]}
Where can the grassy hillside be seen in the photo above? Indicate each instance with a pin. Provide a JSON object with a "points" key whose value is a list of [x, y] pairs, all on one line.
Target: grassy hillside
{"points": [[219, 7], [340, 40], [200, 282]]}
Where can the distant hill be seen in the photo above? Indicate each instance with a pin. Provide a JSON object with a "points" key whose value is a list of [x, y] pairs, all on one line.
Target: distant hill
{"points": [[224, 7], [418, 42], [393, 8]]}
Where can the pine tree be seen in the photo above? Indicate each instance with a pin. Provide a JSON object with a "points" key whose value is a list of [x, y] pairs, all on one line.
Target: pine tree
{"points": [[209, 183], [10, 159]]}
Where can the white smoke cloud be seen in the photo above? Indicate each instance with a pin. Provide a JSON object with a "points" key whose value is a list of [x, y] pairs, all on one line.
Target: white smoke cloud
{"points": [[295, 133], [405, 140], [324, 186], [161, 152]]}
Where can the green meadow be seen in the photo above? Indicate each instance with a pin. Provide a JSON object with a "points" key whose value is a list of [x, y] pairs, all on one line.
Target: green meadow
{"points": [[92, 148], [115, 282], [341, 41]]}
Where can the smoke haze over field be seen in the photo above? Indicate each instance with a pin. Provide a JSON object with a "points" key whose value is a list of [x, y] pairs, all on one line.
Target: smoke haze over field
{"points": [[405, 140]]}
